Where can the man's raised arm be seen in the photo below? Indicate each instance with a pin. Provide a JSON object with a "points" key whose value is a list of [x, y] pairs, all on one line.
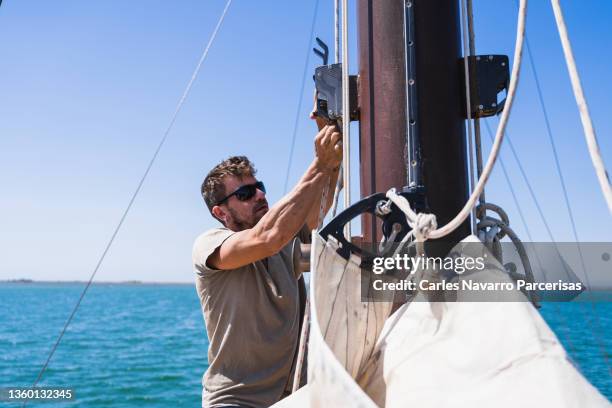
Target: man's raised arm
{"points": [[283, 221]]}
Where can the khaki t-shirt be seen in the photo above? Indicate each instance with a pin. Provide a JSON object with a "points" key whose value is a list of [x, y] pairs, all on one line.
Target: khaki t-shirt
{"points": [[252, 317]]}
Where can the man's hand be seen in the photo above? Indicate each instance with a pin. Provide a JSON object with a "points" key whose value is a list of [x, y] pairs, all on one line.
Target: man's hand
{"points": [[328, 147], [321, 121]]}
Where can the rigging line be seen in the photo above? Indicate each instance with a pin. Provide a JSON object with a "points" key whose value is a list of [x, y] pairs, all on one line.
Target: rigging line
{"points": [[528, 232], [467, 51], [477, 138], [555, 154], [138, 188], [548, 230], [510, 187], [531, 191], [585, 116], [336, 32], [346, 118], [558, 166], [556, 157], [301, 96], [339, 182]]}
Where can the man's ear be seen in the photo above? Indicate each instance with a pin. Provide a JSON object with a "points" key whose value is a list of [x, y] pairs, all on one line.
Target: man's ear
{"points": [[219, 214]]}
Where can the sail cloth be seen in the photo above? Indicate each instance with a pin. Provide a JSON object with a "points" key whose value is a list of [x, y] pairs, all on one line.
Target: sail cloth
{"points": [[430, 354], [343, 329]]}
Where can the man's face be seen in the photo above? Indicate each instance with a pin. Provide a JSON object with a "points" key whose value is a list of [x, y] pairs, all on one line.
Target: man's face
{"points": [[241, 215]]}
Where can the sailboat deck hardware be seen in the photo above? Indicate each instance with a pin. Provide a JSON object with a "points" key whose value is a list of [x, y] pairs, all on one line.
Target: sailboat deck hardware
{"points": [[328, 83], [370, 205], [489, 75]]}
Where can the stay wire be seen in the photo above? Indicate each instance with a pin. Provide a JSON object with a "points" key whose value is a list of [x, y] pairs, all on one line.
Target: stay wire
{"points": [[135, 194], [565, 192], [346, 118], [548, 230], [302, 341], [595, 315], [467, 53], [298, 111], [553, 146], [528, 232]]}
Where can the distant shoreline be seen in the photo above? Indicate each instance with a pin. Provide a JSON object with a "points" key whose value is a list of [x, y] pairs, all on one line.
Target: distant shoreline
{"points": [[129, 282]]}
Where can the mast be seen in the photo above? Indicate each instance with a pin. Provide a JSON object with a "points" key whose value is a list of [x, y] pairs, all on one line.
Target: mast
{"points": [[430, 148]]}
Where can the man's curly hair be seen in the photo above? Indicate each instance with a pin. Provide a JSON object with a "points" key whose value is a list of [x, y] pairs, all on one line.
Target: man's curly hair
{"points": [[213, 189]]}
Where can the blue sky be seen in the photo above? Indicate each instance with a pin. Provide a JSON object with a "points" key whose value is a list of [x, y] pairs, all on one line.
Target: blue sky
{"points": [[87, 89]]}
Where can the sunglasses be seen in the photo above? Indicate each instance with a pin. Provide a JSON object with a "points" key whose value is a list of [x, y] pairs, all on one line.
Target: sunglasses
{"points": [[246, 192]]}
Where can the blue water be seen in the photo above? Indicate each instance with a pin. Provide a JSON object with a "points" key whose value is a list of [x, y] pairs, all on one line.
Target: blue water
{"points": [[145, 345], [128, 345]]}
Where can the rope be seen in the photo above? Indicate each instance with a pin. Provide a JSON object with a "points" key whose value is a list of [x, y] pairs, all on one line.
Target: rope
{"points": [[135, 194], [553, 146], [558, 167], [341, 177], [552, 239], [504, 229], [339, 185], [297, 375], [296, 121], [566, 339], [346, 117], [426, 231], [340, 181], [303, 340], [422, 224], [472, 43], [322, 206], [585, 117]]}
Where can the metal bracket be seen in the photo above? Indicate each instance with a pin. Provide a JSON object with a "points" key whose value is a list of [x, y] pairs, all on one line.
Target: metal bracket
{"points": [[328, 83], [369, 204], [413, 143], [489, 75]]}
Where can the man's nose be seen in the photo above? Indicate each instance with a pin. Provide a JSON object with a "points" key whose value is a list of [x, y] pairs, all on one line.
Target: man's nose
{"points": [[259, 194]]}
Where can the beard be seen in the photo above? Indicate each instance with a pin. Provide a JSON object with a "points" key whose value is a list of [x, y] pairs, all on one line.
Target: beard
{"points": [[241, 223]]}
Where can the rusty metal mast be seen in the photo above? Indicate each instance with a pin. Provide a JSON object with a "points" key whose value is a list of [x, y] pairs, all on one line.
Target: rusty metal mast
{"points": [[428, 146]]}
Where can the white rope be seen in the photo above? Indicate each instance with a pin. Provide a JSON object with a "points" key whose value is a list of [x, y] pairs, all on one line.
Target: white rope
{"points": [[323, 205], [585, 117], [340, 181], [339, 185], [423, 225], [346, 117]]}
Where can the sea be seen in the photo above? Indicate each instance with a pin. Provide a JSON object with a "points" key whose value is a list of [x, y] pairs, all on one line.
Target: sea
{"points": [[135, 345]]}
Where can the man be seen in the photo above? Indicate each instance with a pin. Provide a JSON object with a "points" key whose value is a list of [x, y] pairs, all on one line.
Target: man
{"points": [[246, 281]]}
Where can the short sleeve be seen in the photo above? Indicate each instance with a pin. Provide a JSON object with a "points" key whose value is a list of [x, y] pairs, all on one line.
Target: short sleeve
{"points": [[205, 245]]}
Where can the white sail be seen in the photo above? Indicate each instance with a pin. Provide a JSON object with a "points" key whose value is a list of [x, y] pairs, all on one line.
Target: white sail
{"points": [[431, 354]]}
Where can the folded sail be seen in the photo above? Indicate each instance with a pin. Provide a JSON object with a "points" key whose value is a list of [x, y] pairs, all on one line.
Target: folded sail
{"points": [[431, 354]]}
